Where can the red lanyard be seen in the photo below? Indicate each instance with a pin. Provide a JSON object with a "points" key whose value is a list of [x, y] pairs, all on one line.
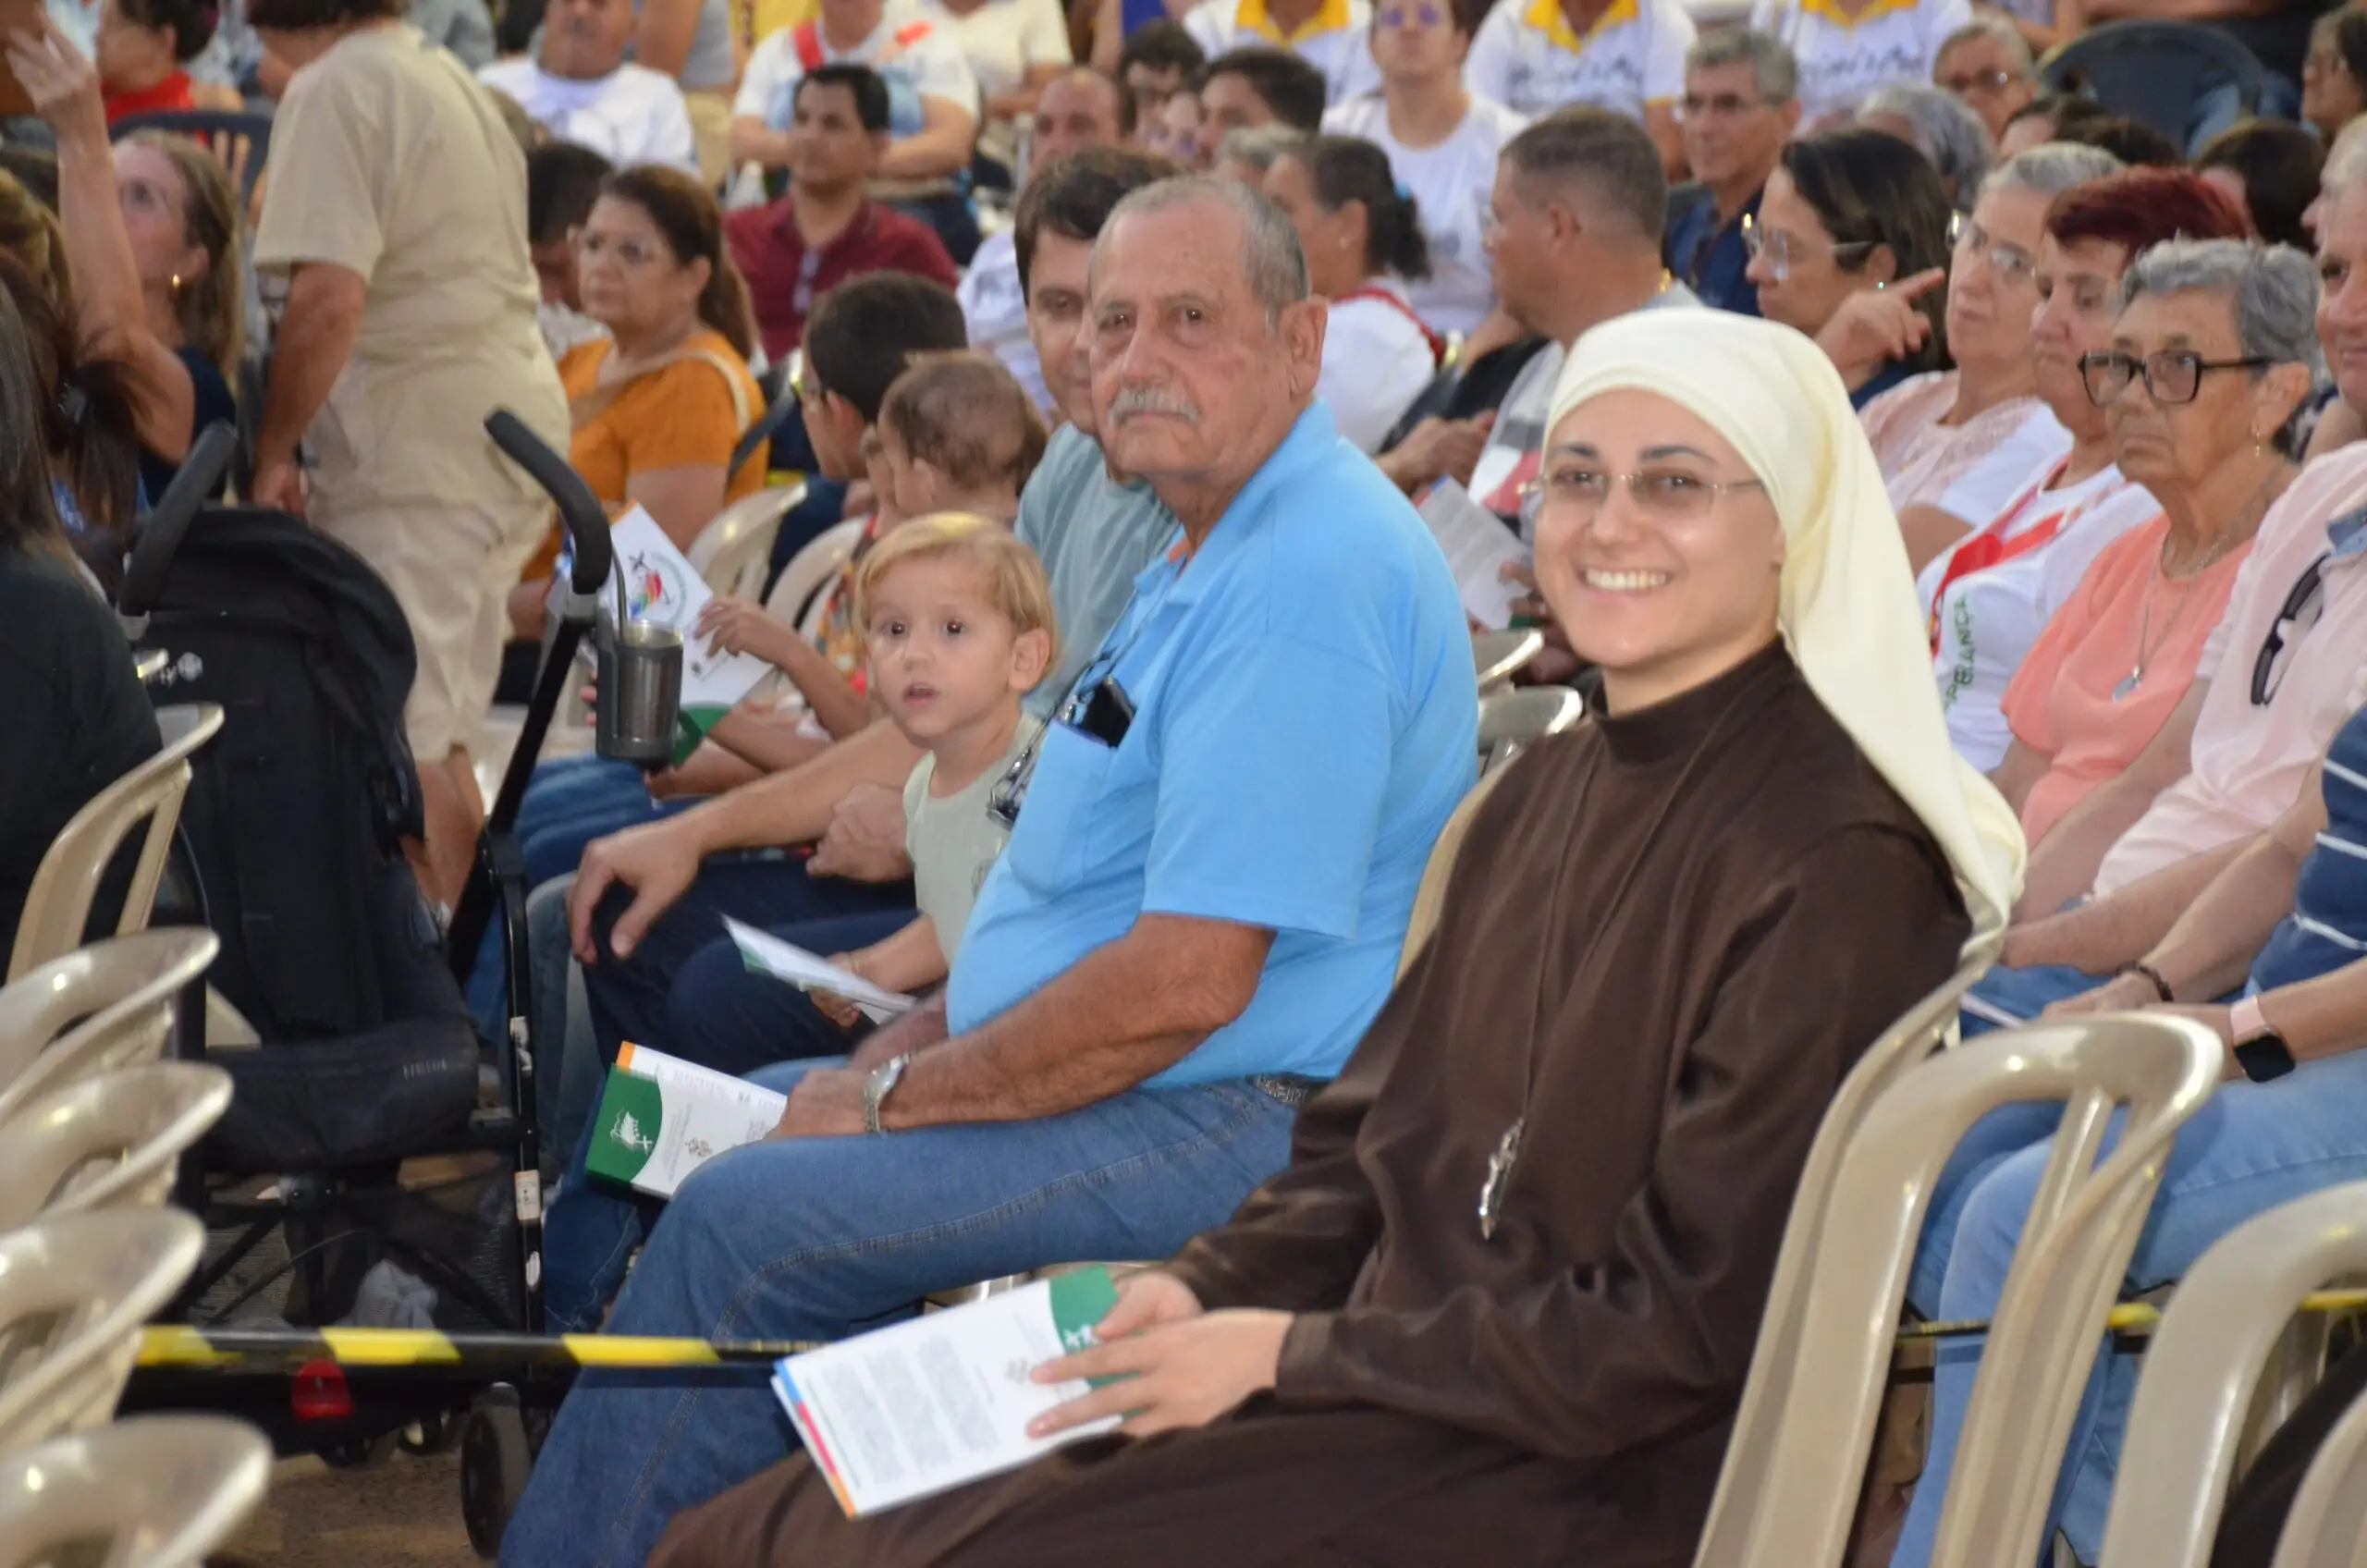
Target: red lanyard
{"points": [[1991, 547], [1367, 291]]}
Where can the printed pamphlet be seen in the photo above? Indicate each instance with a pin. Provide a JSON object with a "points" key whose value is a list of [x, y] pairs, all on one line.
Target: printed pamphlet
{"points": [[945, 1398], [767, 955], [661, 1118], [1478, 546]]}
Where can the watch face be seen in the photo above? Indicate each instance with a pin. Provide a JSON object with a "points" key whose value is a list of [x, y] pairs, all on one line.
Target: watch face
{"points": [[2265, 1056]]}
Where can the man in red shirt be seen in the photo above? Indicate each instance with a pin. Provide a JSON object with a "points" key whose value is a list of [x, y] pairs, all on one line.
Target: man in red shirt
{"points": [[826, 230]]}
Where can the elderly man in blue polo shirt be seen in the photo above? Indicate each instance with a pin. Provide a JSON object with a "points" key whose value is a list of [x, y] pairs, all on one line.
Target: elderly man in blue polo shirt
{"points": [[1213, 862]]}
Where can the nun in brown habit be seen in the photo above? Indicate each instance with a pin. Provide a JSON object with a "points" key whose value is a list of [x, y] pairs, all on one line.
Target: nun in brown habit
{"points": [[1499, 1307]]}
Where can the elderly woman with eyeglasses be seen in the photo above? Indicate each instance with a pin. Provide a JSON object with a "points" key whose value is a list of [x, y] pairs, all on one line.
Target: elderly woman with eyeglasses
{"points": [[1953, 444], [2214, 351], [1989, 595]]}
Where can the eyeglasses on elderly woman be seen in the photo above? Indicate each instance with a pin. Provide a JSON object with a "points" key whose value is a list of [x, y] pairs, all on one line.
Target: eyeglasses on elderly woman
{"points": [[2172, 377]]}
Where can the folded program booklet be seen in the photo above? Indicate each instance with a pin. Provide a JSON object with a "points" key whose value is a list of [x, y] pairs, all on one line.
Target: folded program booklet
{"points": [[661, 1118], [941, 1399]]}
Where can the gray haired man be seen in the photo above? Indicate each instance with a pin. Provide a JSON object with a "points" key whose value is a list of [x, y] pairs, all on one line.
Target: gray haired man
{"points": [[1741, 104]]}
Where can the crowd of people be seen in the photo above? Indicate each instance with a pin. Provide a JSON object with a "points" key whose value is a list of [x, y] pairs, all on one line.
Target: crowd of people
{"points": [[1897, 452]]}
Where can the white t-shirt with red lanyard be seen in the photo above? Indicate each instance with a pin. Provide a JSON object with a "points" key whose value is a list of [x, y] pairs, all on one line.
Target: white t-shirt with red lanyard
{"points": [[1378, 355], [1450, 182], [1988, 596], [915, 58]]}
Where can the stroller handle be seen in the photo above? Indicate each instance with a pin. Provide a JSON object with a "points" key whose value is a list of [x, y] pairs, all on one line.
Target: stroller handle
{"points": [[586, 523], [151, 557]]}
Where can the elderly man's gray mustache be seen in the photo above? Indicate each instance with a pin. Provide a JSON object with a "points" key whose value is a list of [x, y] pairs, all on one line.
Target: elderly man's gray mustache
{"points": [[1152, 400]]}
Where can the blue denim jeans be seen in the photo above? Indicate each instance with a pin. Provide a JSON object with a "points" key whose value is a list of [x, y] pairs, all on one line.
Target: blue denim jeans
{"points": [[592, 1226], [2251, 1149], [571, 802], [817, 1237], [652, 999], [2015, 995]]}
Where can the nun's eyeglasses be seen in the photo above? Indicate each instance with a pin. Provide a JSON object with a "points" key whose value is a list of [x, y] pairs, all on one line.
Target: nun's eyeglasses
{"points": [[2172, 377], [1664, 494]]}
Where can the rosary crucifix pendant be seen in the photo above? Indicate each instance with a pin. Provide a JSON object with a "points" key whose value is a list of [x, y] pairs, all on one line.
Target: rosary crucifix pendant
{"points": [[1500, 1175]]}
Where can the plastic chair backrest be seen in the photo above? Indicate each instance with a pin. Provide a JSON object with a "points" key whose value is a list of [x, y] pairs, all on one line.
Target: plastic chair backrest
{"points": [[107, 1141], [156, 1492], [2201, 1369], [733, 552], [1511, 722], [797, 592], [1798, 1481], [1500, 655], [58, 906], [242, 141], [74, 1291], [1429, 897], [2327, 1526], [97, 1009], [2152, 71], [1748, 1478]]}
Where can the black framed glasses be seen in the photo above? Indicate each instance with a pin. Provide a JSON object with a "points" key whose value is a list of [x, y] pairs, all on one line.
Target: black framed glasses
{"points": [[2172, 377], [2307, 595]]}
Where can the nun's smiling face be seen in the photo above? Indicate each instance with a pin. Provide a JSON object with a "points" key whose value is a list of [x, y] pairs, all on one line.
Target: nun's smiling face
{"points": [[1657, 548]]}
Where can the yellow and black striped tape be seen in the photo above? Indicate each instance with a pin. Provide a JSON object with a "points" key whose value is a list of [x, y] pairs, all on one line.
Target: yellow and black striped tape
{"points": [[265, 1350], [250, 1350]]}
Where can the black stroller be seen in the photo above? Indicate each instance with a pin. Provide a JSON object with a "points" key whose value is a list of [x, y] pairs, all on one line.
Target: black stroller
{"points": [[364, 1055]]}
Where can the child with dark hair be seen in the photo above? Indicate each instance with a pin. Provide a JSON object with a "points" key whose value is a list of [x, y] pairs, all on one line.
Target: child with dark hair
{"points": [[144, 50]]}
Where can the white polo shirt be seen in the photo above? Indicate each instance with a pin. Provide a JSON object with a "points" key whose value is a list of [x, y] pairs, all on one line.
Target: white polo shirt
{"points": [[1450, 184], [1336, 40], [1843, 59], [1375, 360], [915, 58], [1528, 58], [631, 116]]}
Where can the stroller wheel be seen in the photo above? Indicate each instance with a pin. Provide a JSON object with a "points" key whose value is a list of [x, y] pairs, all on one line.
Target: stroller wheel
{"points": [[433, 1434], [358, 1454], [495, 1462]]}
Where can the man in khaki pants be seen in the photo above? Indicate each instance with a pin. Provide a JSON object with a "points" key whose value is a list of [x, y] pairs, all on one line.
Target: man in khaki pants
{"points": [[396, 210]]}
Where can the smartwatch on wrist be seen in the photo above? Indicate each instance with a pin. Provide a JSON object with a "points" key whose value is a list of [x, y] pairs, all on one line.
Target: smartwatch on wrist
{"points": [[2260, 1050], [878, 1086]]}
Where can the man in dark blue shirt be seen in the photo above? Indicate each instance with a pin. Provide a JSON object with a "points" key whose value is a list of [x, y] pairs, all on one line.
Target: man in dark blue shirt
{"points": [[1740, 106]]}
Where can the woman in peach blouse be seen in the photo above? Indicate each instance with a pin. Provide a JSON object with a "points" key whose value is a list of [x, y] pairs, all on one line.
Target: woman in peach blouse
{"points": [[2213, 350]]}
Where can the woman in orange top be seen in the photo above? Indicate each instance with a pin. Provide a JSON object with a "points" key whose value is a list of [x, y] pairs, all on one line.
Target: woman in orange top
{"points": [[659, 403], [2212, 352]]}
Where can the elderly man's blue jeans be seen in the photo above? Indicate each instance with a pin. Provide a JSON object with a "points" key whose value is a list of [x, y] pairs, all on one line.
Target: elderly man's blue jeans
{"points": [[818, 1238], [2251, 1149], [743, 1022]]}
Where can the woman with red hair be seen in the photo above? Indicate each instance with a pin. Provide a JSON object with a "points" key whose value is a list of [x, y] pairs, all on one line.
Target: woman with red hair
{"points": [[1989, 595]]}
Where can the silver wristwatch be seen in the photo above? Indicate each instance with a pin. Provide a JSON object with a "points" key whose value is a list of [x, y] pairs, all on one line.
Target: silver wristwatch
{"points": [[878, 1086]]}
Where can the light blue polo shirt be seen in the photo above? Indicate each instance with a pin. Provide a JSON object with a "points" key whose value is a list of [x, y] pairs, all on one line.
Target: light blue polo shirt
{"points": [[1306, 717]]}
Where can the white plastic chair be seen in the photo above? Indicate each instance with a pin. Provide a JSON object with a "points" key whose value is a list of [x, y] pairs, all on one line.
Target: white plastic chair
{"points": [[810, 570], [1796, 1463], [108, 1142], [733, 552], [1500, 655], [74, 1291], [158, 1491], [1511, 722], [58, 906], [99, 1007], [2327, 1523], [2202, 1369]]}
